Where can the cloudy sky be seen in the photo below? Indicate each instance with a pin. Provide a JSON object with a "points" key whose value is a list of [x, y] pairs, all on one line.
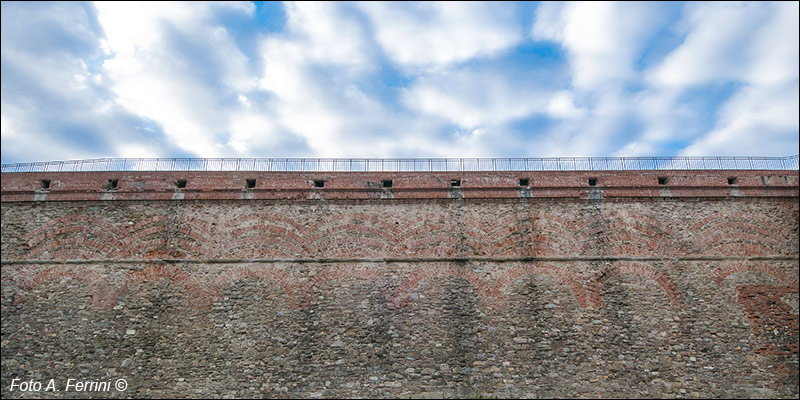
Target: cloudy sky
{"points": [[113, 79]]}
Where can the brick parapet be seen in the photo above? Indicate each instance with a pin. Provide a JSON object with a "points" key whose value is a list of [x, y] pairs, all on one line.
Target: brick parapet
{"points": [[82, 186]]}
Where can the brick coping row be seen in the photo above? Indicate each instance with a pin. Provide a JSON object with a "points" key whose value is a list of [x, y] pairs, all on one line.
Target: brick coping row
{"points": [[185, 185]]}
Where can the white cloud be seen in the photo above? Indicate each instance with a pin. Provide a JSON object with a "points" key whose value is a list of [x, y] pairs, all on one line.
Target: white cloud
{"points": [[303, 103], [775, 47], [762, 118], [441, 33], [23, 141], [603, 42], [314, 71], [250, 131], [602, 39], [53, 104], [320, 92], [549, 24], [398, 79], [173, 64], [754, 45], [472, 98], [328, 33], [752, 42], [562, 105]]}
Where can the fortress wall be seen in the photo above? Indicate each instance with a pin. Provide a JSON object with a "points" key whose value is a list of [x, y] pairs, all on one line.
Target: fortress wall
{"points": [[624, 289]]}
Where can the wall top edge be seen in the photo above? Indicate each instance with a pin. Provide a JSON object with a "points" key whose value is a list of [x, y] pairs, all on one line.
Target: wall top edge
{"points": [[411, 164]]}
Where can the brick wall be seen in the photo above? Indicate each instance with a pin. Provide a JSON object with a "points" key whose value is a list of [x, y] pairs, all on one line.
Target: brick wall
{"points": [[404, 185], [628, 288]]}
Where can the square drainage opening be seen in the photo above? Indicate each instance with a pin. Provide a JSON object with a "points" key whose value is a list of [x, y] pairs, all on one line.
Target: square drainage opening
{"points": [[180, 183], [455, 182], [592, 181], [662, 180], [525, 182], [45, 184], [387, 183], [112, 184], [733, 180], [250, 183], [319, 183]]}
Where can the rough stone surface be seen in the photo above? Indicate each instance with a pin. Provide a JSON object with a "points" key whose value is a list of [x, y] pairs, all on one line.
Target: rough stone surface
{"points": [[431, 297]]}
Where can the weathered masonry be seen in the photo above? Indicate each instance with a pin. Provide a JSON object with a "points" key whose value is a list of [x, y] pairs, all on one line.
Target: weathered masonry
{"points": [[396, 284]]}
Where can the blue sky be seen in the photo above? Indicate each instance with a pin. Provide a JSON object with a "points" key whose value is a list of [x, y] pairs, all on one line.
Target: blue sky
{"points": [[203, 79]]}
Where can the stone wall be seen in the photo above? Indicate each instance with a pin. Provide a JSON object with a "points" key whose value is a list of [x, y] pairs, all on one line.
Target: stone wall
{"points": [[568, 292]]}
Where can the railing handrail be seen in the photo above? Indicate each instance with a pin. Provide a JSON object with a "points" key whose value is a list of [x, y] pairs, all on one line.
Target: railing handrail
{"points": [[411, 164]]}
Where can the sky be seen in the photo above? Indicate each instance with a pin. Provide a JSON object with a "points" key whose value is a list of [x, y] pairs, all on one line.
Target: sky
{"points": [[398, 79]]}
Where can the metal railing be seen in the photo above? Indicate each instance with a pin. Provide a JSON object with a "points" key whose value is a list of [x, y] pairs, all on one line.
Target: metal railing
{"points": [[409, 164]]}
